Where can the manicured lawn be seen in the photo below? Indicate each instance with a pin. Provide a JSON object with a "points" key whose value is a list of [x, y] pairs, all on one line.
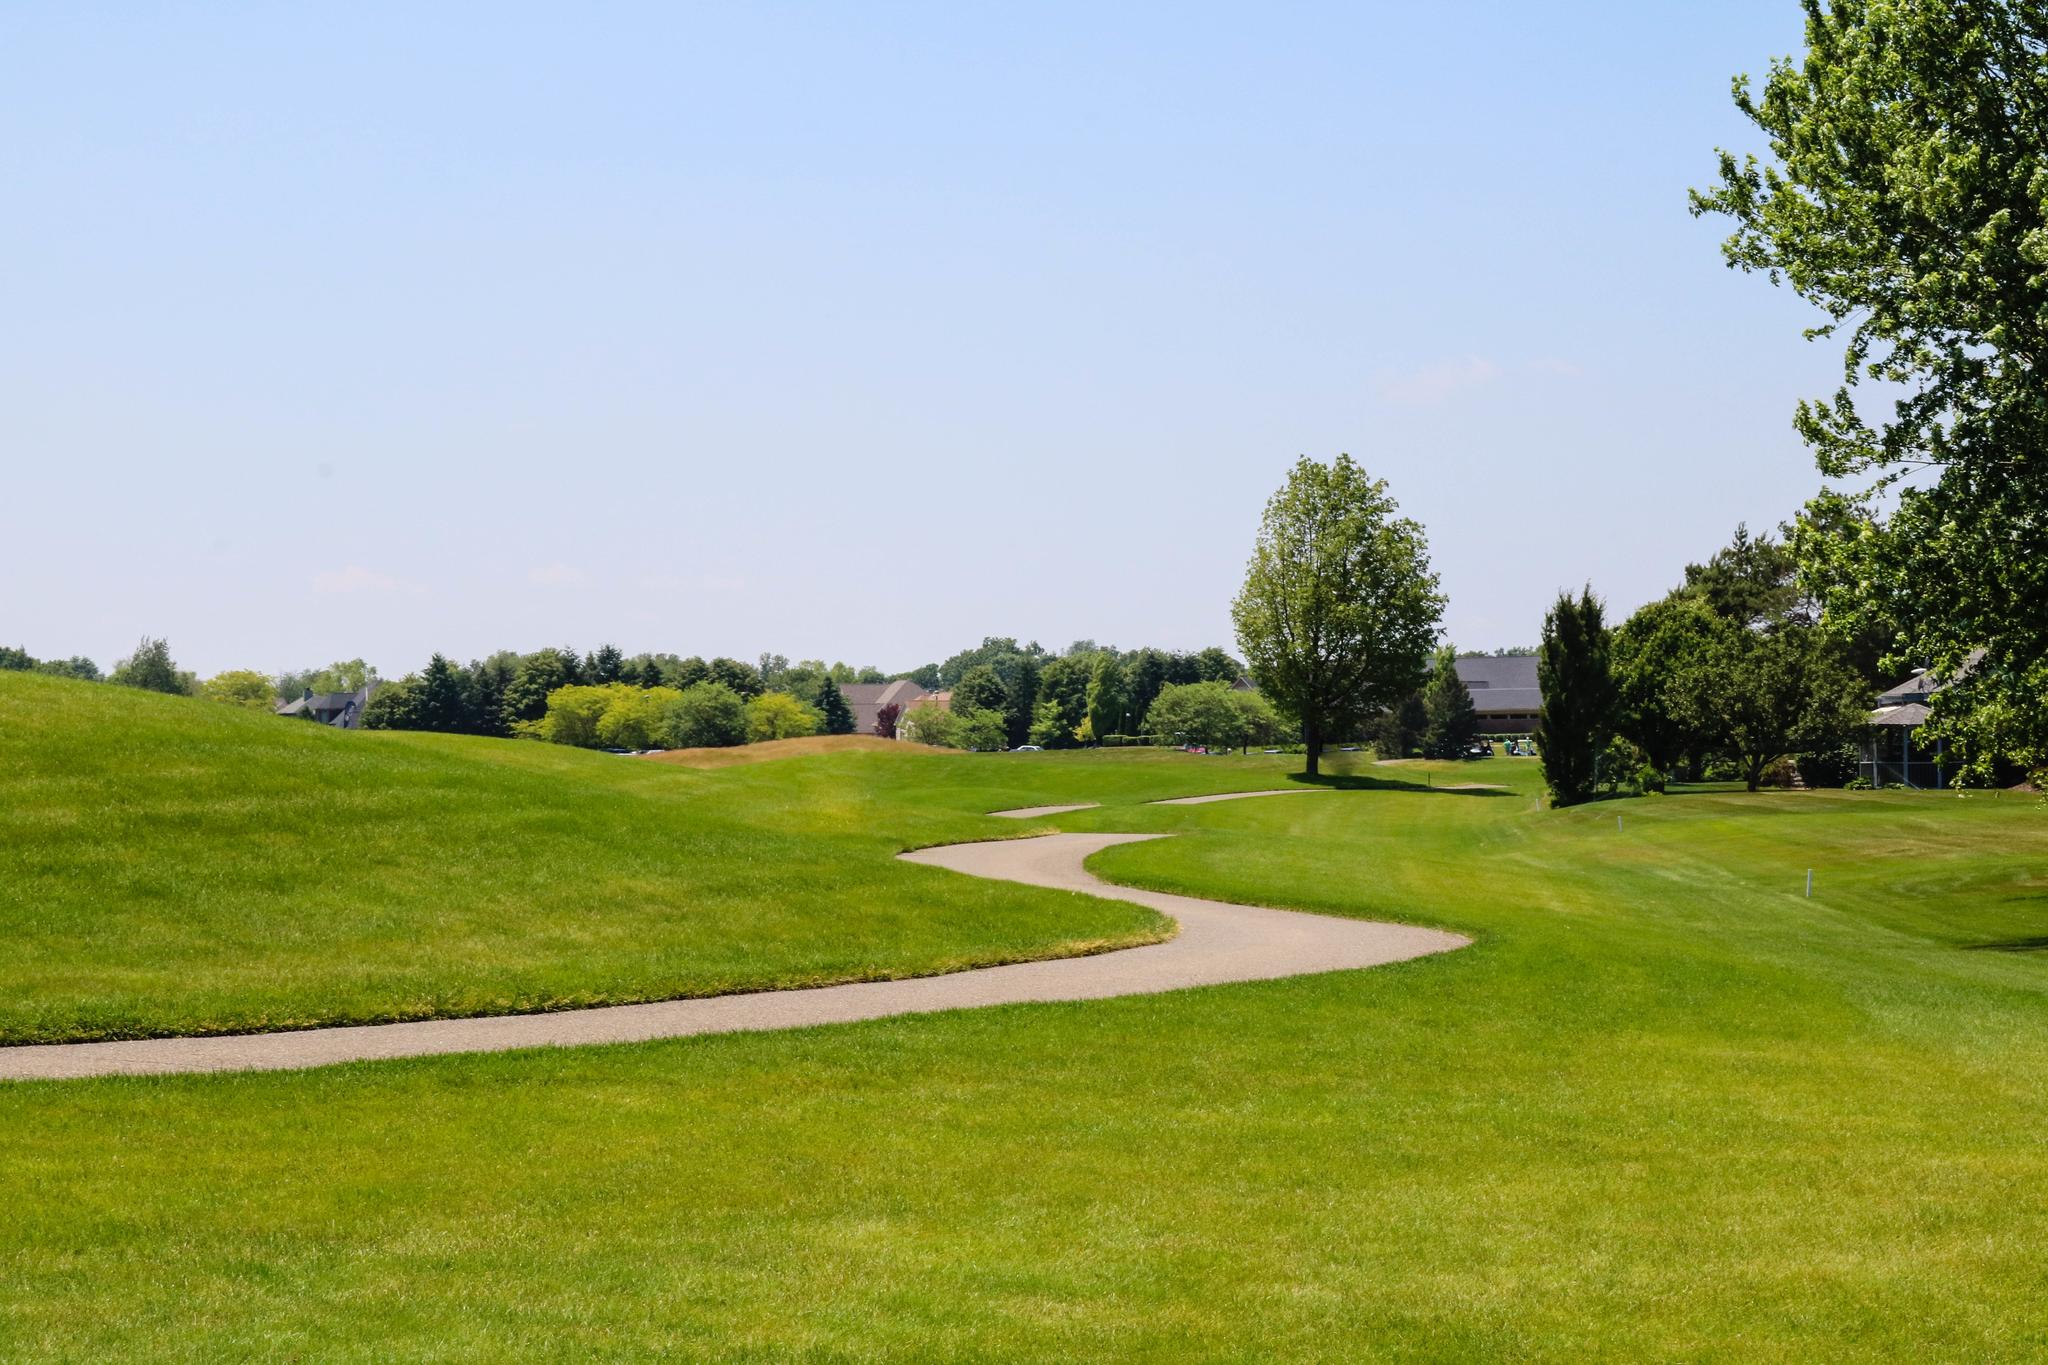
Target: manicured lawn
{"points": [[1665, 1107], [175, 866]]}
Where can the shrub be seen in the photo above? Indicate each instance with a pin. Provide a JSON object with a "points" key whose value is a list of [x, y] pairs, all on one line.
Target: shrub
{"points": [[706, 715], [981, 731], [636, 717], [1650, 778], [930, 724]]}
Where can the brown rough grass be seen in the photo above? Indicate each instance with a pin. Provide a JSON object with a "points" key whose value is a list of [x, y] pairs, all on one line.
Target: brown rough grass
{"points": [[791, 748]]}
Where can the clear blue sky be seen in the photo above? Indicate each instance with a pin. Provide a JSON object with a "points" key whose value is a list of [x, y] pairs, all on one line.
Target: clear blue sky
{"points": [[856, 331]]}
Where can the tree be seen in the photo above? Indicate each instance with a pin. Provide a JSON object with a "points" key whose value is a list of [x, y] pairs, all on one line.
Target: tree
{"points": [[778, 715], [1019, 674], [606, 665], [835, 716], [539, 674], [740, 677], [15, 659], [572, 716], [1339, 609], [1752, 581], [1214, 664], [684, 674], [1063, 685], [243, 687], [77, 666], [1049, 729], [1650, 652], [1144, 673], [1769, 694], [151, 668], [489, 680], [980, 689], [636, 717], [343, 675], [1397, 731], [441, 699], [930, 724], [885, 720], [1107, 701], [1903, 196], [706, 715], [980, 731], [1577, 718], [1259, 723], [391, 706], [1450, 720], [1197, 713]]}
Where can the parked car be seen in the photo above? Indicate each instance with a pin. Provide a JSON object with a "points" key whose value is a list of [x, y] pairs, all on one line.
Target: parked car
{"points": [[1029, 749]]}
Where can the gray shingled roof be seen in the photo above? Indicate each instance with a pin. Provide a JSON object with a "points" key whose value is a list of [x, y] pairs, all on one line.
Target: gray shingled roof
{"points": [[1505, 683]]}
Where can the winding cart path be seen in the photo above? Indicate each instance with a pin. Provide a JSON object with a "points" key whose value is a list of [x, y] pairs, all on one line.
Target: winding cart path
{"points": [[1217, 942]]}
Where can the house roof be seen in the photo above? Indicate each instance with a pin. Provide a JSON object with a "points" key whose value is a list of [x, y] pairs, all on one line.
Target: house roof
{"points": [[1924, 684], [1910, 714], [866, 700], [1500, 683]]}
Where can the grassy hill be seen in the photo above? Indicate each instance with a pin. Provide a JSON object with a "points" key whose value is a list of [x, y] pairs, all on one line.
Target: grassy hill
{"points": [[171, 865], [1665, 1107]]}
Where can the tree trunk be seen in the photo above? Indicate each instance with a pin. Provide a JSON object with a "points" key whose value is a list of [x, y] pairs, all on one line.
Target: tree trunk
{"points": [[1312, 740]]}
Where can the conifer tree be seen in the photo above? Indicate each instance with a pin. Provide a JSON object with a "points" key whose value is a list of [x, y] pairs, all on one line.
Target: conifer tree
{"points": [[838, 716], [1451, 721], [1572, 667]]}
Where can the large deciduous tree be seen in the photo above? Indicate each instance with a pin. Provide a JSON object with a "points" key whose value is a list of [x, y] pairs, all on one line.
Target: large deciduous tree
{"points": [[1906, 195], [1339, 609], [706, 715], [1577, 720], [1768, 694]]}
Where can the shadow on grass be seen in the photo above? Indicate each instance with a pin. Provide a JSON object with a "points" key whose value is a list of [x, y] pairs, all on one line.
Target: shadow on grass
{"points": [[1359, 782], [2037, 944]]}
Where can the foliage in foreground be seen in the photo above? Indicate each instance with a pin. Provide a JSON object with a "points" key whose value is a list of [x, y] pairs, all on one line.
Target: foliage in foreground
{"points": [[1906, 196]]}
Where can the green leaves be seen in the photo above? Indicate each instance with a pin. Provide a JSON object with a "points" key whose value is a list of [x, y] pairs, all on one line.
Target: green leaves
{"points": [[1339, 609]]}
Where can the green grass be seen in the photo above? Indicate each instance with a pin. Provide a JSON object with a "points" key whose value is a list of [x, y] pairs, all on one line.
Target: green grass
{"points": [[1664, 1107]]}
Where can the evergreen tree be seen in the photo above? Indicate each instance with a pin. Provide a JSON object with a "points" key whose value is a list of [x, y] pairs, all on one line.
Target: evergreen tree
{"points": [[442, 698], [1451, 721], [831, 702], [607, 665], [1398, 731], [1578, 696]]}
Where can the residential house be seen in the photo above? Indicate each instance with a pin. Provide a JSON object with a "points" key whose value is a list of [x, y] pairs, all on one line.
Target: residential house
{"points": [[342, 710], [867, 700], [1891, 757]]}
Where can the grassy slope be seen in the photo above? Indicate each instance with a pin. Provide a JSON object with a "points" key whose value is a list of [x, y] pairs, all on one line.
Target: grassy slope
{"points": [[1665, 1107], [169, 865]]}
